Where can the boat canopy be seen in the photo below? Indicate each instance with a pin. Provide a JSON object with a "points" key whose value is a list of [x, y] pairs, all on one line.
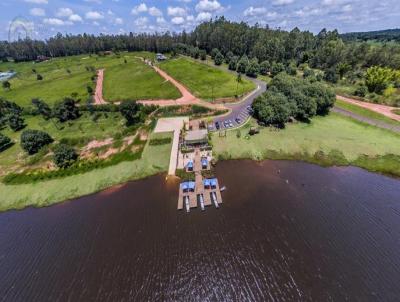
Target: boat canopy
{"points": [[204, 162], [213, 182], [184, 186], [206, 182], [191, 185], [190, 164]]}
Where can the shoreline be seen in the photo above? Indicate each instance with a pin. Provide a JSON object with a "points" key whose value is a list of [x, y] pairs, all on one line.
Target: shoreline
{"points": [[18, 206]]}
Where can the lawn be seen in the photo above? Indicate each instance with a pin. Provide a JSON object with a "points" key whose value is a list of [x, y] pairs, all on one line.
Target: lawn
{"points": [[204, 81], [138, 81], [365, 112], [84, 127], [65, 76], [155, 159], [327, 134]]}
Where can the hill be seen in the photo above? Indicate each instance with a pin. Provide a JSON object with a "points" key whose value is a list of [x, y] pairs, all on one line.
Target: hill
{"points": [[379, 35]]}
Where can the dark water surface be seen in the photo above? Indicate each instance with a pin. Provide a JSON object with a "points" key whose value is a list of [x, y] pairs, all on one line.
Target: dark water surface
{"points": [[325, 235]]}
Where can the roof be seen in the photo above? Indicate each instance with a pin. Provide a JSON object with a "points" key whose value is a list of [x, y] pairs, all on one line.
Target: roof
{"points": [[196, 135]]}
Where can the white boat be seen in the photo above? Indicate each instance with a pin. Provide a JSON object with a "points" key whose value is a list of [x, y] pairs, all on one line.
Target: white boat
{"points": [[214, 199], [223, 189], [186, 199]]}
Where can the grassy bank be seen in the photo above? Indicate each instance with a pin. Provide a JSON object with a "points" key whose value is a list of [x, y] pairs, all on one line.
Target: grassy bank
{"points": [[365, 112], [155, 159], [204, 81], [138, 81], [331, 140]]}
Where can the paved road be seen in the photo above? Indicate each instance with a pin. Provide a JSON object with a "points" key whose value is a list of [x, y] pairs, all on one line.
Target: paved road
{"points": [[239, 110], [367, 120]]}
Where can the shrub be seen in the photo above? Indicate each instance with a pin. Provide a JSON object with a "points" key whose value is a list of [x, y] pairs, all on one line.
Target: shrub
{"points": [[252, 68], [64, 156], [219, 59], [233, 63], [5, 142], [160, 141], [361, 91], [66, 110], [242, 64], [131, 111], [33, 140], [39, 77], [265, 67], [277, 68]]}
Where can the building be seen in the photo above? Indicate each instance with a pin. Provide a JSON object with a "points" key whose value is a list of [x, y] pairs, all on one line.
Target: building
{"points": [[196, 138], [160, 57]]}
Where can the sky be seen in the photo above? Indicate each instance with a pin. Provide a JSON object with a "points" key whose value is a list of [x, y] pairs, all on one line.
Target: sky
{"points": [[44, 18]]}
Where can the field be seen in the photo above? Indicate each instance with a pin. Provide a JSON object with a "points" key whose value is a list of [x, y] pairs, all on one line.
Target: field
{"points": [[69, 76], [205, 82], [84, 127], [333, 133], [155, 159], [137, 81]]}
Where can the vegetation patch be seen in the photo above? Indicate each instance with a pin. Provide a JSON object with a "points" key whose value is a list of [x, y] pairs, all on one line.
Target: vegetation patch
{"points": [[182, 174], [160, 141]]}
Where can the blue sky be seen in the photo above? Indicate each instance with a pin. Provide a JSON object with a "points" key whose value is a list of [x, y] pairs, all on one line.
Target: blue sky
{"points": [[43, 18]]}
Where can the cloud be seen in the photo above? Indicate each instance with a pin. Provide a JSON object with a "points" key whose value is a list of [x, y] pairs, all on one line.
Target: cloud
{"points": [[141, 22], [94, 15], [155, 12], [203, 16], [161, 20], [118, 21], [208, 6], [54, 21], [93, 1], [37, 1], [64, 12], [141, 8], [75, 18], [282, 2], [37, 12], [176, 11], [254, 11], [177, 20]]}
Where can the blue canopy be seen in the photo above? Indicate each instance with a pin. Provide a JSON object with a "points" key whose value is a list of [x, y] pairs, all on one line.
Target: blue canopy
{"points": [[191, 185], [184, 186], [190, 164], [204, 162], [206, 182], [213, 182]]}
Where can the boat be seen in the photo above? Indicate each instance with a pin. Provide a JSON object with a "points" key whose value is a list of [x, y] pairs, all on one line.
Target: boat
{"points": [[223, 189]]}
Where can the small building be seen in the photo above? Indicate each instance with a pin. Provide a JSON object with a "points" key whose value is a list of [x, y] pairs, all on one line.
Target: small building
{"points": [[160, 57], [196, 138], [41, 58], [204, 163]]}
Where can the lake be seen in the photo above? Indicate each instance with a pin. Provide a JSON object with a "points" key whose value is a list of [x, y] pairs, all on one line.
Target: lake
{"points": [[287, 231]]}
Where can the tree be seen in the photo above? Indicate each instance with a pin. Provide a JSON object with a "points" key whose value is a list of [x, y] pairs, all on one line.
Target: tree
{"points": [[378, 79], [331, 75], [291, 69], [5, 142], [6, 85], [15, 121], [131, 111], [219, 59], [361, 91], [214, 52], [238, 80], [253, 68], [277, 68], [242, 64], [265, 67], [233, 63], [228, 57], [42, 108], [33, 140], [323, 96], [272, 108], [64, 156], [11, 114], [66, 110], [203, 55], [342, 69]]}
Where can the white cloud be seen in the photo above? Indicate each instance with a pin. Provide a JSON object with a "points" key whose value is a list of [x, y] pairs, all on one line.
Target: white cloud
{"points": [[93, 1], [190, 18], [282, 2], [37, 1], [176, 11], [203, 16], [94, 15], [37, 12], [160, 20], [64, 12], [75, 18], [208, 6], [141, 22], [141, 8], [53, 21], [155, 12], [118, 21], [177, 20], [254, 11], [347, 8]]}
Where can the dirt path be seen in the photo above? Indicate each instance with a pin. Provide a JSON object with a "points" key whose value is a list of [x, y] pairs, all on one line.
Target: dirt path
{"points": [[98, 96], [382, 109], [367, 120]]}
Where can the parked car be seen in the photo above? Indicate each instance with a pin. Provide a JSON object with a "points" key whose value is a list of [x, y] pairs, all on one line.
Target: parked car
{"points": [[238, 120]]}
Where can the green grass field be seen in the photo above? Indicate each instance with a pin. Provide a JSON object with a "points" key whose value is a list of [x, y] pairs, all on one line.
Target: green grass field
{"points": [[63, 77], [138, 81], [83, 127], [365, 112], [204, 81], [155, 159], [327, 134]]}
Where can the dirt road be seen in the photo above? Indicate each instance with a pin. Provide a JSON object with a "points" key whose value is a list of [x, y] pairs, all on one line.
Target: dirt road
{"points": [[98, 95]]}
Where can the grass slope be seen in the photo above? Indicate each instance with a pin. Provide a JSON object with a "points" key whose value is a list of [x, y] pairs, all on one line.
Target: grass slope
{"points": [[328, 134], [204, 81], [155, 159], [136, 80]]}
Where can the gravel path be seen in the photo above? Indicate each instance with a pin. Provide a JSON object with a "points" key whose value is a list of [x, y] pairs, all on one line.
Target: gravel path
{"points": [[367, 120]]}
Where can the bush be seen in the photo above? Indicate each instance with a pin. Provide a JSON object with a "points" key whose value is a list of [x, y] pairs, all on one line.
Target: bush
{"points": [[160, 141], [64, 156], [219, 59], [131, 111], [233, 63], [39, 77], [361, 91], [252, 68], [5, 142], [42, 108], [33, 140], [277, 68], [242, 64], [66, 110], [265, 67]]}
